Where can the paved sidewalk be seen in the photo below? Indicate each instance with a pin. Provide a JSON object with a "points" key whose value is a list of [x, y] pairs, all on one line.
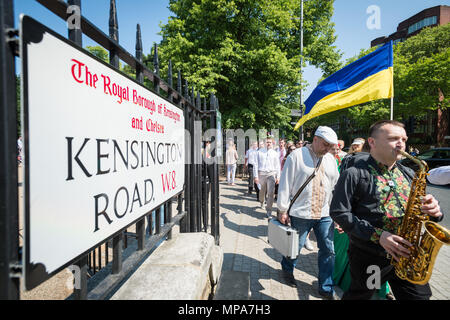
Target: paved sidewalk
{"points": [[243, 237]]}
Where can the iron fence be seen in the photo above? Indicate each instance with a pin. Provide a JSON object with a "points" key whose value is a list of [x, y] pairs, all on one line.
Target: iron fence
{"points": [[104, 267]]}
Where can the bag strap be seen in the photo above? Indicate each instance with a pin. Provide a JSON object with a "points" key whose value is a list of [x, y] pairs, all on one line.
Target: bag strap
{"points": [[305, 184]]}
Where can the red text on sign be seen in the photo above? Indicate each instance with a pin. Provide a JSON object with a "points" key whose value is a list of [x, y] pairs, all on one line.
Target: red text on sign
{"points": [[168, 181], [81, 73]]}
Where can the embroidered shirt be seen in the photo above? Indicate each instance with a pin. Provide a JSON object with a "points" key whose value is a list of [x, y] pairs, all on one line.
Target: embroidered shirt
{"points": [[314, 201], [393, 188]]}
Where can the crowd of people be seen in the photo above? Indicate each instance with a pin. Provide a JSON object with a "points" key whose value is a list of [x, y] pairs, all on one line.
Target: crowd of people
{"points": [[354, 204]]}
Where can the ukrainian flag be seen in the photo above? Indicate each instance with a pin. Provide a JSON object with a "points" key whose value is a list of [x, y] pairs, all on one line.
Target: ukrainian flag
{"points": [[366, 79]]}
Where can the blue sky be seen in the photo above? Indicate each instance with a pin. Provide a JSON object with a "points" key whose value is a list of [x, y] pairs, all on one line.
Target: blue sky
{"points": [[350, 19]]}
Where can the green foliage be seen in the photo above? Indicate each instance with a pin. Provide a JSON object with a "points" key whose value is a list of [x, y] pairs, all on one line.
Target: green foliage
{"points": [[247, 53], [421, 68], [103, 54], [99, 52]]}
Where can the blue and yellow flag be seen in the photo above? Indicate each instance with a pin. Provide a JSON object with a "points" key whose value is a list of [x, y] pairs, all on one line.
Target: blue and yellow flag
{"points": [[366, 79]]}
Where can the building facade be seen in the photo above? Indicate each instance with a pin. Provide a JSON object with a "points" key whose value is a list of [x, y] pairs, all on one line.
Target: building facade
{"points": [[435, 127]]}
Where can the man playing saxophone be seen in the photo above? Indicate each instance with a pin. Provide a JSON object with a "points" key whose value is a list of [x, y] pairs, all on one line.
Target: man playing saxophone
{"points": [[369, 202]]}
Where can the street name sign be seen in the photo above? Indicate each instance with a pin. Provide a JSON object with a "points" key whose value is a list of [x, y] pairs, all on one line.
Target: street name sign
{"points": [[296, 113], [101, 151]]}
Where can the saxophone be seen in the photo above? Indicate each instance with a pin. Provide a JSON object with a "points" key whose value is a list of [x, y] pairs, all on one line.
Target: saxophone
{"points": [[426, 237]]}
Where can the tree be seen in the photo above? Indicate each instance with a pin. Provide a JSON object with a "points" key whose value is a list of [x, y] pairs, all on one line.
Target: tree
{"points": [[99, 52], [103, 54], [247, 53], [421, 71]]}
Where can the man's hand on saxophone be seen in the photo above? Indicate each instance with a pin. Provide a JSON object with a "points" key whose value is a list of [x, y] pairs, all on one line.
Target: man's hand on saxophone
{"points": [[397, 246], [431, 206]]}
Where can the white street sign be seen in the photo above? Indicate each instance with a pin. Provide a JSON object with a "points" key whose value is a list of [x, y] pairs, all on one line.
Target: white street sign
{"points": [[296, 113], [101, 149]]}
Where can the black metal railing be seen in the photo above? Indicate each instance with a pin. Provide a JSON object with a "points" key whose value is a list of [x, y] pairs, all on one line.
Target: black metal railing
{"points": [[9, 227], [108, 264]]}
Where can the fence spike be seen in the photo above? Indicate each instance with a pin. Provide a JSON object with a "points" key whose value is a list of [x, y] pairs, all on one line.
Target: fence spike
{"points": [[186, 90], [138, 43], [139, 54], [169, 74], [211, 100], [214, 103], [179, 82], [75, 34], [199, 103], [113, 22], [156, 60]]}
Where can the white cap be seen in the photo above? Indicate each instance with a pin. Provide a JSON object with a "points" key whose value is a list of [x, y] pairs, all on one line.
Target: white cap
{"points": [[358, 141], [327, 134]]}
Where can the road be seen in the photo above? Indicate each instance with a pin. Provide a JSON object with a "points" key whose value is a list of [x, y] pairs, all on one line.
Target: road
{"points": [[440, 279], [442, 194]]}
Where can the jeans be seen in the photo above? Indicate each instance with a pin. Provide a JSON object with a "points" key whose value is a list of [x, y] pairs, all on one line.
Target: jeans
{"points": [[231, 171], [324, 231]]}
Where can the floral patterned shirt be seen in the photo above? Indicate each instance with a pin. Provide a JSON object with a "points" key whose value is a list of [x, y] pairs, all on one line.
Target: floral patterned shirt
{"points": [[393, 188]]}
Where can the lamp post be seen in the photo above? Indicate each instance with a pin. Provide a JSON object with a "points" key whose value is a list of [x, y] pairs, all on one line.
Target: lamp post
{"points": [[301, 65]]}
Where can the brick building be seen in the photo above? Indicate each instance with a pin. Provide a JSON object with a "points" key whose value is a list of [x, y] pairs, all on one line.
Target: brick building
{"points": [[436, 127], [434, 16]]}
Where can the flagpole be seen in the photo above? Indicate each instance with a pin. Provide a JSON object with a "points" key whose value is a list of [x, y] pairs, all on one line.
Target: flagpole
{"points": [[301, 65], [392, 108], [392, 95]]}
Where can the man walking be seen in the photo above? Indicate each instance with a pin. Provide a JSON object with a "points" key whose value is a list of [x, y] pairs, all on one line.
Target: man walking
{"points": [[311, 208], [282, 152], [267, 173], [250, 160], [369, 207]]}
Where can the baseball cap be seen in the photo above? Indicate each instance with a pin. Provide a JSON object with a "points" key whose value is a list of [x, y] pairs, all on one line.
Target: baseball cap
{"points": [[327, 134], [358, 141]]}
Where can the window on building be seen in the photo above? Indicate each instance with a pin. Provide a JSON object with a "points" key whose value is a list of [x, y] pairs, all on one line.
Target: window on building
{"points": [[422, 24]]}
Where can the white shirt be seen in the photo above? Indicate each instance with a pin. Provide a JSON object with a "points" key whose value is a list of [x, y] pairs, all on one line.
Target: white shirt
{"points": [[439, 175], [267, 161], [314, 201], [251, 156]]}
